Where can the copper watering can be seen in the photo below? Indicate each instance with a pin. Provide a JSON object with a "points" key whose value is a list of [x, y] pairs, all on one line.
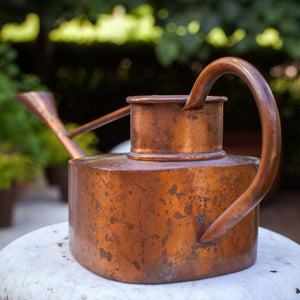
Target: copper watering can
{"points": [[176, 207]]}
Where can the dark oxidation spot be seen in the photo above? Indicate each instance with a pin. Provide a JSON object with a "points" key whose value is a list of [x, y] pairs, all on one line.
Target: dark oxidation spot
{"points": [[129, 226], [164, 253], [205, 199], [200, 220], [188, 209], [173, 190], [177, 215], [155, 236], [297, 291], [169, 232], [164, 240], [169, 223], [137, 265], [98, 206], [273, 271], [60, 244], [104, 254], [113, 220], [210, 127], [162, 200], [179, 195], [194, 255], [108, 238]]}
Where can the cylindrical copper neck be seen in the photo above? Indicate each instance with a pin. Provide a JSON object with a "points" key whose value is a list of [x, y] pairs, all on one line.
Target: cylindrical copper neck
{"points": [[162, 130]]}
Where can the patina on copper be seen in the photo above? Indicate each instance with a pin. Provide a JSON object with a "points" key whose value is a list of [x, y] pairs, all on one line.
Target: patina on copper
{"points": [[176, 207], [161, 130]]}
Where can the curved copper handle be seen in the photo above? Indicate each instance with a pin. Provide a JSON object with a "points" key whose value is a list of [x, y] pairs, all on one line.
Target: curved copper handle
{"points": [[271, 137]]}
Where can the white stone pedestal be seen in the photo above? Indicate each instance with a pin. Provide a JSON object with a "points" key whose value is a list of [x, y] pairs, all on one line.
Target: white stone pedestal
{"points": [[40, 266]]}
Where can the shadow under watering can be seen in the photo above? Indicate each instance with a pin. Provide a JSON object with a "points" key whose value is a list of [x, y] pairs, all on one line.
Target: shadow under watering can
{"points": [[176, 207]]}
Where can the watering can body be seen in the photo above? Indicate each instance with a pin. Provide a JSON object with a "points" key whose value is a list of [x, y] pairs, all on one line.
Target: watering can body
{"points": [[176, 207]]}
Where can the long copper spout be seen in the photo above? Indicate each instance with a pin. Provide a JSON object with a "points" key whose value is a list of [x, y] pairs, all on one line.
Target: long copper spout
{"points": [[42, 105]]}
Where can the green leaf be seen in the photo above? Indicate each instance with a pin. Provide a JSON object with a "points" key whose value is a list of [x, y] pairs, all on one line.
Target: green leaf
{"points": [[189, 44], [167, 50], [292, 47]]}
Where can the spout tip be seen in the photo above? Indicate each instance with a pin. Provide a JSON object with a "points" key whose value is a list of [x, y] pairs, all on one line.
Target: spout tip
{"points": [[38, 94], [38, 103]]}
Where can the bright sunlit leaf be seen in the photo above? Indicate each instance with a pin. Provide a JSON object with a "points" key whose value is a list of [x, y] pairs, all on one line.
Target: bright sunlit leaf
{"points": [[269, 38], [24, 32]]}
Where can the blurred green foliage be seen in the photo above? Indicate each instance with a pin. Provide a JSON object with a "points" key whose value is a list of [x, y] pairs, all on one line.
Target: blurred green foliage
{"points": [[190, 29], [247, 18], [191, 34], [287, 91], [15, 166], [117, 28], [18, 127], [20, 152], [55, 153], [25, 32], [26, 145], [48, 11]]}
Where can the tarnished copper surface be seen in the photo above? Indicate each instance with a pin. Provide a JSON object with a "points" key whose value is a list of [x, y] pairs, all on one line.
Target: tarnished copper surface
{"points": [[162, 130], [175, 208], [140, 221]]}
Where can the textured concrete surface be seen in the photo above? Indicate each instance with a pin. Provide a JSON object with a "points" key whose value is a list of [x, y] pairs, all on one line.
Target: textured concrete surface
{"points": [[40, 266], [37, 206]]}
